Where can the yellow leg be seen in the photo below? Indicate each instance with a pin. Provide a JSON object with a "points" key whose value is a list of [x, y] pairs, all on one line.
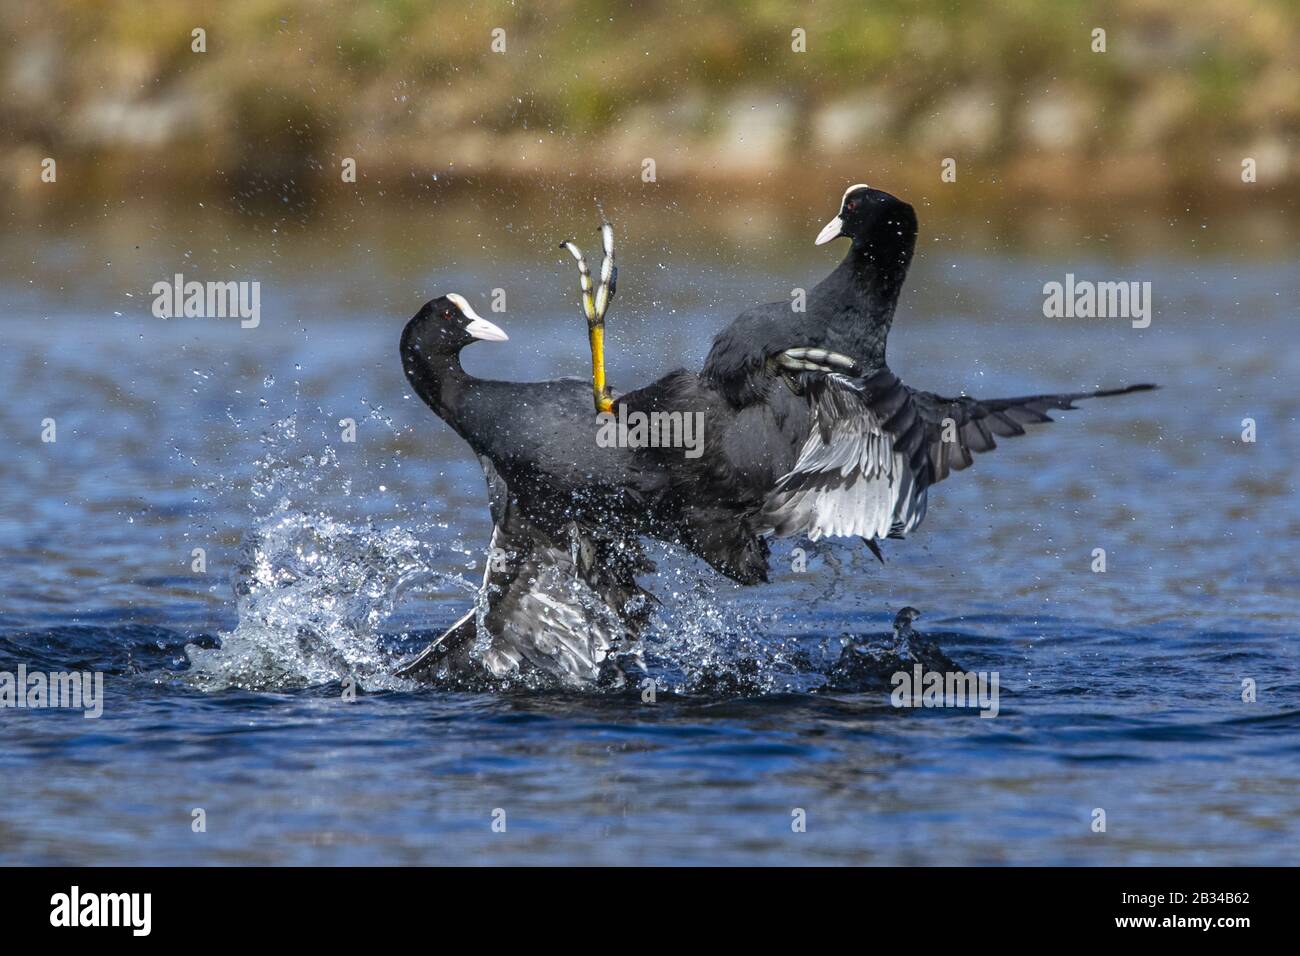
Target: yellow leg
{"points": [[598, 388], [594, 307]]}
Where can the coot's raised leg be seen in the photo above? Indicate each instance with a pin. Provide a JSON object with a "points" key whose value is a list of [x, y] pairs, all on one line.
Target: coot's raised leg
{"points": [[594, 306]]}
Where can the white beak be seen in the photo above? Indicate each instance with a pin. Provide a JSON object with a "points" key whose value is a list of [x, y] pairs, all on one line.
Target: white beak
{"points": [[485, 330], [478, 327], [831, 231]]}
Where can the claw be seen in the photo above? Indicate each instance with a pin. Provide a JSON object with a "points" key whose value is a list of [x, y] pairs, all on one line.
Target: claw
{"points": [[812, 359], [608, 273], [594, 306], [584, 279]]}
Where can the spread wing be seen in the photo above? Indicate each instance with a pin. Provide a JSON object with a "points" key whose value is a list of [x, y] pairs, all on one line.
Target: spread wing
{"points": [[876, 446]]}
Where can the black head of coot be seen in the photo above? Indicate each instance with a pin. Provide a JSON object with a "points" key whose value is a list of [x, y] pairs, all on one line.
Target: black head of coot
{"points": [[445, 325], [874, 220]]}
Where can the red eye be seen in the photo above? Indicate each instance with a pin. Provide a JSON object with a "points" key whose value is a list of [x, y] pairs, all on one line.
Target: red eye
{"points": [[851, 205]]}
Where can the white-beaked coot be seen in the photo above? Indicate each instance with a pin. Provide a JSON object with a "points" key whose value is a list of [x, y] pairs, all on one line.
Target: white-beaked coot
{"points": [[559, 595], [559, 592], [807, 429]]}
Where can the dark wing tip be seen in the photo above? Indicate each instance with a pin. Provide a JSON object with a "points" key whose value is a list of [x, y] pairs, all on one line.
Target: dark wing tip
{"points": [[1127, 389]]}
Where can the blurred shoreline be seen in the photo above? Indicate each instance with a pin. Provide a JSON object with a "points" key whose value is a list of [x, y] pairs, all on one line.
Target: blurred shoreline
{"points": [[451, 220], [1014, 95]]}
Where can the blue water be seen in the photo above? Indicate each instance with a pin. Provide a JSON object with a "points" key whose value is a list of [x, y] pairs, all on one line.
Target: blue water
{"points": [[330, 561]]}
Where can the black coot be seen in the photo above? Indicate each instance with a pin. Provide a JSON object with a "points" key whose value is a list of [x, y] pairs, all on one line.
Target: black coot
{"points": [[559, 592], [567, 515], [808, 432]]}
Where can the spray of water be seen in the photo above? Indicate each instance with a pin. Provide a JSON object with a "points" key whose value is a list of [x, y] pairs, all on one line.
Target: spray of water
{"points": [[312, 590], [311, 595], [316, 593]]}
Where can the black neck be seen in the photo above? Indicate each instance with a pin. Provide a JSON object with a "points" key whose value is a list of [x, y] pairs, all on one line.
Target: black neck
{"points": [[868, 283], [438, 379]]}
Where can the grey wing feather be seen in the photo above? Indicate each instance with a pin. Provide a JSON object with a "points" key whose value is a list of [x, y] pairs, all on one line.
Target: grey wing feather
{"points": [[559, 605], [851, 478], [876, 446]]}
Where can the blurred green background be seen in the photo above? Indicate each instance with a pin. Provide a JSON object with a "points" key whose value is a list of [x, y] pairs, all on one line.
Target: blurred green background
{"points": [[588, 89]]}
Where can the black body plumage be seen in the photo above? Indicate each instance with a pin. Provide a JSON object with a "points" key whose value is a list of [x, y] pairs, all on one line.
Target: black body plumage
{"points": [[806, 431]]}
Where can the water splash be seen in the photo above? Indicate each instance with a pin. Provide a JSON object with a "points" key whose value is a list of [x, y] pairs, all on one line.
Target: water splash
{"points": [[312, 589], [315, 591], [311, 594], [703, 642]]}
